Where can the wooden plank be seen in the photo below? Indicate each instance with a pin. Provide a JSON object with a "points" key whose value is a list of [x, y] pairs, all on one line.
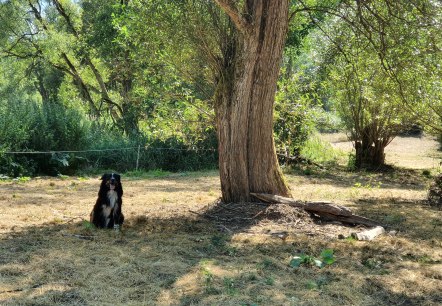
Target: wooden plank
{"points": [[320, 206]]}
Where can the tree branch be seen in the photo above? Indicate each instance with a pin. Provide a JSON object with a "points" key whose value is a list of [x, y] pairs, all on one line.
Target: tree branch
{"points": [[66, 17], [227, 6]]}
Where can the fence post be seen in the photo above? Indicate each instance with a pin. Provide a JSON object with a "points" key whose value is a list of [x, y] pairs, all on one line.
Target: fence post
{"points": [[138, 157]]}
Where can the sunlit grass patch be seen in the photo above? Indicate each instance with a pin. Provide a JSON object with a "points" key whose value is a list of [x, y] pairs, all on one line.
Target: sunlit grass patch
{"points": [[322, 152]]}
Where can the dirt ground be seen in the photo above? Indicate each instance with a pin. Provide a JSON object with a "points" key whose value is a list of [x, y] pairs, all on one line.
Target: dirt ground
{"points": [[181, 246]]}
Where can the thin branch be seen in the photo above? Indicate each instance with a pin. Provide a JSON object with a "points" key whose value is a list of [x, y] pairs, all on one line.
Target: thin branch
{"points": [[66, 17], [104, 93]]}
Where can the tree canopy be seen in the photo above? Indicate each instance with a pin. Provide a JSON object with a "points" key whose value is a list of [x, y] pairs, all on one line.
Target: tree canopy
{"points": [[144, 71]]}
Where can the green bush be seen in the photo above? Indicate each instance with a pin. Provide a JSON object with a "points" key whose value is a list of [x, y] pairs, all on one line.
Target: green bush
{"points": [[172, 154], [29, 126], [25, 125]]}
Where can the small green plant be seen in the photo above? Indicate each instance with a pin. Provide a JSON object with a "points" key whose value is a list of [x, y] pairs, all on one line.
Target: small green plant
{"points": [[436, 223], [219, 241], [270, 281], [22, 179], [252, 277], [208, 281], [88, 225], [371, 184], [266, 264], [372, 263], [351, 163], [350, 239], [57, 221], [311, 285], [425, 259], [229, 285], [426, 173], [318, 283], [63, 177], [325, 258]]}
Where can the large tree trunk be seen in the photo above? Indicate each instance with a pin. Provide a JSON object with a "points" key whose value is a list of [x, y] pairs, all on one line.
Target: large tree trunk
{"points": [[245, 100]]}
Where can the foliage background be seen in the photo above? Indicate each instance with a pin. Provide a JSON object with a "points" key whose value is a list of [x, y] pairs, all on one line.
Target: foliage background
{"points": [[129, 78]]}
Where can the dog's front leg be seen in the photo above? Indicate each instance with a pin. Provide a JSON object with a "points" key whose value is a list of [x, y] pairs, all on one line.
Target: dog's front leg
{"points": [[116, 217]]}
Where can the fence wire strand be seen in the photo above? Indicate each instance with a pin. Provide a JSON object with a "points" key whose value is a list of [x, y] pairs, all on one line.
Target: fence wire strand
{"points": [[106, 150]]}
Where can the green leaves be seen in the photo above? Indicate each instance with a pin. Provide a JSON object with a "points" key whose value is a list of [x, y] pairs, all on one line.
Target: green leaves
{"points": [[297, 261], [326, 258]]}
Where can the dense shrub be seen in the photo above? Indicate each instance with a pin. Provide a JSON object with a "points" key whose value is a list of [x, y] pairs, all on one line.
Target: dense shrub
{"points": [[173, 154], [73, 142], [27, 126]]}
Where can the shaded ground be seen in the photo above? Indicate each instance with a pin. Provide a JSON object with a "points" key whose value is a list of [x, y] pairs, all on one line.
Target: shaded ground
{"points": [[180, 246]]}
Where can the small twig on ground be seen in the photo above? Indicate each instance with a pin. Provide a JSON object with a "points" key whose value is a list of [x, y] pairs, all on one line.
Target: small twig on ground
{"points": [[224, 228], [259, 213]]}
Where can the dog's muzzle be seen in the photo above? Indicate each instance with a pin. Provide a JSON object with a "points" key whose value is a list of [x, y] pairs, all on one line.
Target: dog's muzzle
{"points": [[112, 182]]}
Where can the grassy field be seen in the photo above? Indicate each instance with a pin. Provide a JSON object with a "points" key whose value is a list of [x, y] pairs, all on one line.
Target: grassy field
{"points": [[172, 250]]}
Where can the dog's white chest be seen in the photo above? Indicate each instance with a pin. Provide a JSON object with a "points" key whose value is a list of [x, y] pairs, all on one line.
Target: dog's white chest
{"points": [[107, 210], [112, 196]]}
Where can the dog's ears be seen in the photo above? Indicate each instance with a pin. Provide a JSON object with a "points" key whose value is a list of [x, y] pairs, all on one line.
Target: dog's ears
{"points": [[103, 176]]}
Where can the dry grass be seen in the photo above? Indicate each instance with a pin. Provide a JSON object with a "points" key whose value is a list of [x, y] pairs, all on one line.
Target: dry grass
{"points": [[167, 255]]}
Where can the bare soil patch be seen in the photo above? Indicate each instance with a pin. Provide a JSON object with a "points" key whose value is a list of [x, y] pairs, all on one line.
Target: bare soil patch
{"points": [[181, 246]]}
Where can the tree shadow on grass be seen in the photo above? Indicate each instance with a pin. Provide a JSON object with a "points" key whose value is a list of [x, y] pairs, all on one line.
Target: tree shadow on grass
{"points": [[187, 259], [411, 218], [72, 264], [177, 260], [395, 178]]}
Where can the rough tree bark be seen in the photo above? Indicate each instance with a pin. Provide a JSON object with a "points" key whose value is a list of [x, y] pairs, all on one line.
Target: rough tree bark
{"points": [[245, 99], [370, 150]]}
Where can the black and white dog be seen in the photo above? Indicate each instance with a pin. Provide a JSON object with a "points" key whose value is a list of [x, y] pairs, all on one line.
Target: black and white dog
{"points": [[107, 210]]}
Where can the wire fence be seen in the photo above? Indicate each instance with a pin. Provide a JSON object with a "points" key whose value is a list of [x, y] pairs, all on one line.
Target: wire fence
{"points": [[120, 159]]}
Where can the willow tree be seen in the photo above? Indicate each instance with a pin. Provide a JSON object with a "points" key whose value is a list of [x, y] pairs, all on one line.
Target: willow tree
{"points": [[238, 45], [385, 73], [245, 93]]}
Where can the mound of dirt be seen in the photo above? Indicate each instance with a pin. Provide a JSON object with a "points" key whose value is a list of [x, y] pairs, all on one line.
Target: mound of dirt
{"points": [[240, 215], [283, 213], [260, 218]]}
